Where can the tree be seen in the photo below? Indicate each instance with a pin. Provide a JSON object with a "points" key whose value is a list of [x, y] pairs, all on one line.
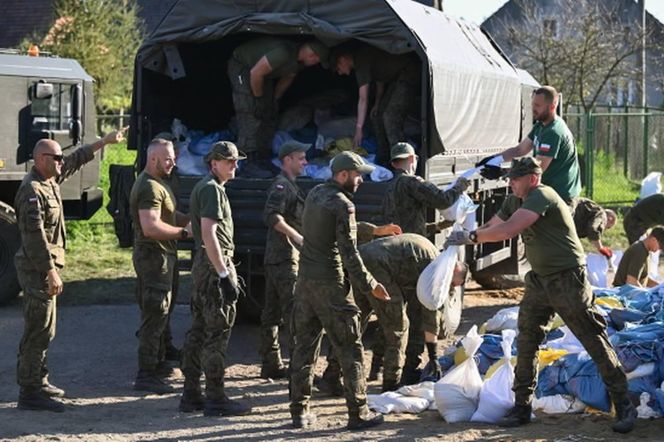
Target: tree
{"points": [[103, 35], [583, 50]]}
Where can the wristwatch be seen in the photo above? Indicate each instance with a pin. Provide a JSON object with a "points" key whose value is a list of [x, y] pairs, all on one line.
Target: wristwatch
{"points": [[473, 236], [184, 234]]}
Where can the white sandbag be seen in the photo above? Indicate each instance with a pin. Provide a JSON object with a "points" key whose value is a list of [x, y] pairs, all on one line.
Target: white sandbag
{"points": [[504, 319], [558, 404], [598, 268], [433, 284], [496, 396], [190, 164], [644, 411], [458, 392], [651, 185], [568, 342], [393, 402], [653, 265], [422, 390]]}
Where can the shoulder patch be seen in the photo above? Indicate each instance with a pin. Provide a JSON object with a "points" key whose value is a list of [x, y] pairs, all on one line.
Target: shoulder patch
{"points": [[545, 147]]}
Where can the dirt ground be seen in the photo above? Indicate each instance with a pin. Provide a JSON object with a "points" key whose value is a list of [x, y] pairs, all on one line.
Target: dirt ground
{"points": [[94, 358]]}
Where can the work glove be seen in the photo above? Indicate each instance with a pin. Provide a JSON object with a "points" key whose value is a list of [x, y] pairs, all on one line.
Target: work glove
{"points": [[229, 290], [462, 184], [459, 238], [492, 172], [433, 366], [606, 252]]}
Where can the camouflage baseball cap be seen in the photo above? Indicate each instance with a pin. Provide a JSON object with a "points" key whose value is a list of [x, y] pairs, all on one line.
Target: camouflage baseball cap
{"points": [[401, 150], [524, 166], [321, 50], [291, 146], [224, 150], [350, 161]]}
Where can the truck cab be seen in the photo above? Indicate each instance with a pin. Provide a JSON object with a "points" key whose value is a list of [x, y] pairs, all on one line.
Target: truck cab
{"points": [[43, 97], [472, 103]]}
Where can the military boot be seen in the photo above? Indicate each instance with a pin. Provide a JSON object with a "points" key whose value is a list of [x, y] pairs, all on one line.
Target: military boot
{"points": [[391, 385], [305, 420], [225, 407], [329, 385], [35, 399], [172, 353], [191, 400], [367, 420], [269, 371], [148, 380], [164, 370], [376, 368], [411, 376], [518, 415], [625, 416], [51, 390]]}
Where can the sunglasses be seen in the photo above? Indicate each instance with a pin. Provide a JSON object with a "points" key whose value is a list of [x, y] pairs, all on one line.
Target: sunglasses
{"points": [[56, 157]]}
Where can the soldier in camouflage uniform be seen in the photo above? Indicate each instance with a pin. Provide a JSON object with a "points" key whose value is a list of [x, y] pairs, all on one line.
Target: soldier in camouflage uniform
{"points": [[557, 283], [157, 227], [213, 301], [283, 216], [260, 71], [39, 260], [590, 221], [322, 297], [397, 79], [647, 213], [408, 196]]}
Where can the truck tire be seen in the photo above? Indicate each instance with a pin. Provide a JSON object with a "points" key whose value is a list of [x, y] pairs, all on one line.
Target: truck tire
{"points": [[451, 317], [10, 241], [495, 278]]}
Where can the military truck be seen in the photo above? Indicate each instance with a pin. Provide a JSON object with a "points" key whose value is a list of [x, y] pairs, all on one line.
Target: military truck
{"points": [[44, 97], [473, 102]]}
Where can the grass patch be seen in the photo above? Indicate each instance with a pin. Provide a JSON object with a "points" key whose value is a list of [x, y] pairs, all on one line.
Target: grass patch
{"points": [[92, 248], [610, 186]]}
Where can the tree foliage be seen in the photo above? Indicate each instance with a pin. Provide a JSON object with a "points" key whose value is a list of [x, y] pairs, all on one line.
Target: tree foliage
{"points": [[582, 50], [103, 35]]}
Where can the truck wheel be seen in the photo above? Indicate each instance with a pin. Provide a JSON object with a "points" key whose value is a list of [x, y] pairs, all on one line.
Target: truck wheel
{"points": [[10, 241], [451, 317], [495, 278]]}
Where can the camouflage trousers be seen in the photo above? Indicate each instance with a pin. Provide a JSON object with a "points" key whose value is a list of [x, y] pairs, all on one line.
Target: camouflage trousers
{"points": [[255, 132], [634, 227], [39, 319], [567, 293], [277, 311], [326, 305], [395, 105], [154, 286], [206, 343]]}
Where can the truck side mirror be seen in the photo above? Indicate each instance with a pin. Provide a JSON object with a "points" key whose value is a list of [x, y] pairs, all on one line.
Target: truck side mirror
{"points": [[42, 90], [75, 125]]}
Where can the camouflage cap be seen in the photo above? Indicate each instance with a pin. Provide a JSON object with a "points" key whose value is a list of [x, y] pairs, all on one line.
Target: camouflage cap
{"points": [[321, 50], [291, 146], [524, 166], [164, 136], [401, 150], [658, 233], [350, 161], [224, 150]]}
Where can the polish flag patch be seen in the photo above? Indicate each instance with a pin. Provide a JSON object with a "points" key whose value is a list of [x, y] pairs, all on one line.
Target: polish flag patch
{"points": [[545, 147]]}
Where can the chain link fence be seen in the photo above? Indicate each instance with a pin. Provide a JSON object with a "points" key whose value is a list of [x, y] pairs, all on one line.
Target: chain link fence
{"points": [[618, 147]]}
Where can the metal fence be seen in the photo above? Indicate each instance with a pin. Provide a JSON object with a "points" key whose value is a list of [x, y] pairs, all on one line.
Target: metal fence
{"points": [[618, 147]]}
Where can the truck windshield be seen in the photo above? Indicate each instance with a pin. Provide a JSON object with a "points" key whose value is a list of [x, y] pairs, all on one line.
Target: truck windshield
{"points": [[53, 113]]}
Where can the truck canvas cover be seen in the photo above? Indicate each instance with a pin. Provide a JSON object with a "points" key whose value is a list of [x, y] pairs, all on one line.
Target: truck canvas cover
{"points": [[475, 92]]}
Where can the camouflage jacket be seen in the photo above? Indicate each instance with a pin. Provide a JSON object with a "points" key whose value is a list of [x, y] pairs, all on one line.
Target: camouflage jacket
{"points": [[409, 196], [589, 219], [284, 198], [401, 258], [329, 230], [41, 220]]}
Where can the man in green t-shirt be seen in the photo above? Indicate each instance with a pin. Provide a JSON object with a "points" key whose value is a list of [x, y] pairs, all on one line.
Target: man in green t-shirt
{"points": [[633, 267], [397, 79], [646, 213], [215, 288], [553, 145], [157, 227], [557, 283], [260, 71]]}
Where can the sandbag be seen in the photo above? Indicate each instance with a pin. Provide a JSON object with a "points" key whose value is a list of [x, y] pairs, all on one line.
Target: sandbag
{"points": [[598, 268], [651, 185], [558, 404], [504, 319], [457, 393], [496, 396], [393, 402]]}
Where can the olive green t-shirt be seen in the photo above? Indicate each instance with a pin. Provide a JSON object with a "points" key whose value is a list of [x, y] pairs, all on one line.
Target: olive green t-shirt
{"points": [[556, 141], [633, 263], [650, 210], [551, 242], [280, 53], [209, 200], [150, 193], [372, 64]]}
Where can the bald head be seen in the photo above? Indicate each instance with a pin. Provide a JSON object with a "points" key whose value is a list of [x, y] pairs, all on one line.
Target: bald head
{"points": [[48, 159], [161, 158], [46, 146]]}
